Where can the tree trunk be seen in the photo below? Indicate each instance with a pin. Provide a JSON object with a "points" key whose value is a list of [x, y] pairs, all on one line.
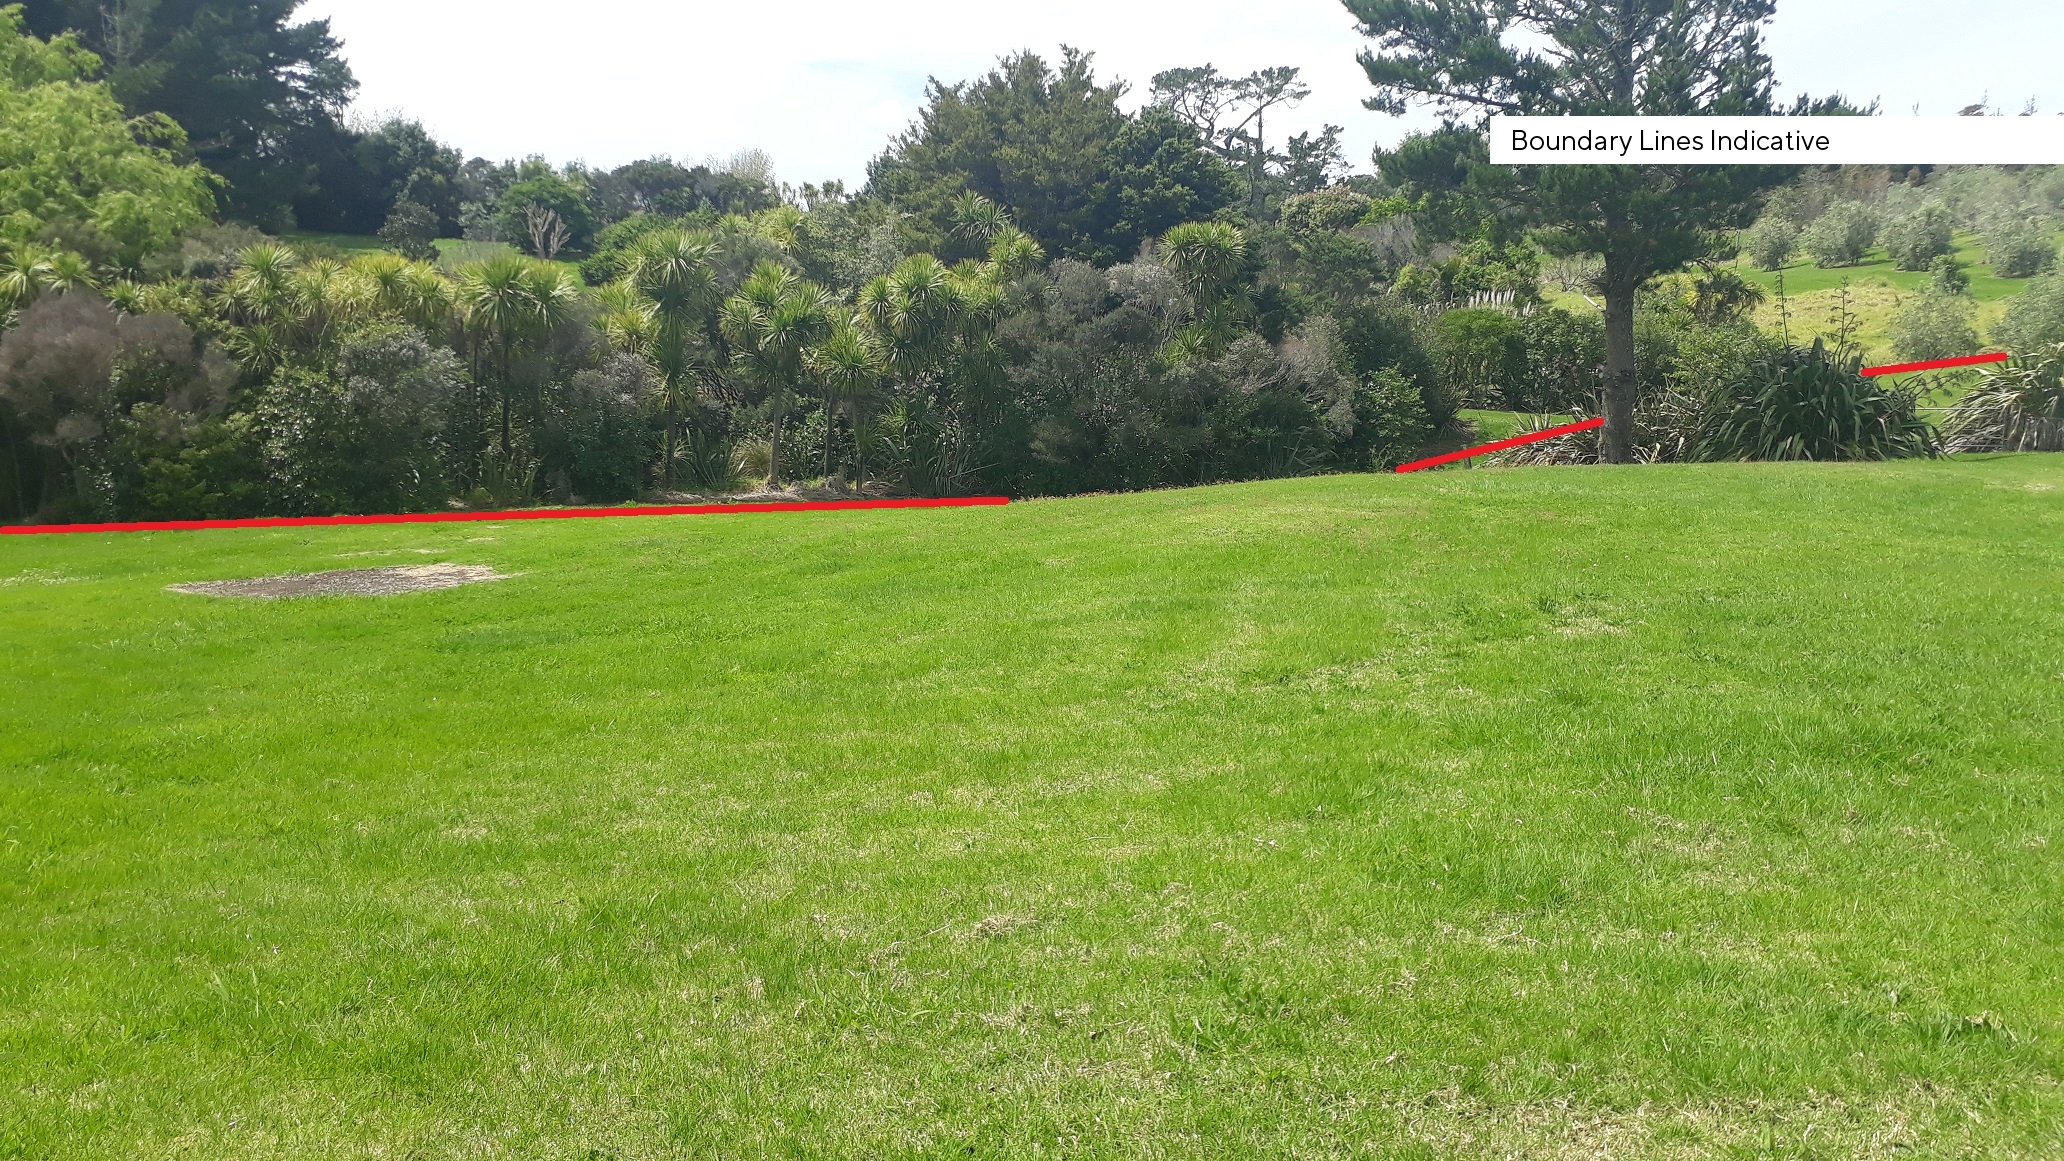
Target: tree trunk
{"points": [[859, 455], [1616, 441], [506, 385], [21, 490], [830, 426], [774, 453], [666, 463]]}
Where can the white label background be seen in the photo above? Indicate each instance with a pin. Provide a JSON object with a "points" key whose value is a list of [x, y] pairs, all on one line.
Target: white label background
{"points": [[1849, 140]]}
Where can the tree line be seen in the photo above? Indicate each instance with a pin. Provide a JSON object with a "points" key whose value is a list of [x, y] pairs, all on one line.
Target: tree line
{"points": [[1036, 290]]}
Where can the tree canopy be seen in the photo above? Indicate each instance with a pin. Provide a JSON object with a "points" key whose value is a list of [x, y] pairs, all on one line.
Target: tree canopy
{"points": [[258, 95], [71, 162], [1471, 58], [1077, 173]]}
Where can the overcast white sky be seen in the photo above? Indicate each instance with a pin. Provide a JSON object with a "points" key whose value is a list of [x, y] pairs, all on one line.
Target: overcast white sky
{"points": [[821, 85]]}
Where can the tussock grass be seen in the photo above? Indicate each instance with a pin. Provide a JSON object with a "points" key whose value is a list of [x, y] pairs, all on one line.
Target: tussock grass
{"points": [[1691, 812]]}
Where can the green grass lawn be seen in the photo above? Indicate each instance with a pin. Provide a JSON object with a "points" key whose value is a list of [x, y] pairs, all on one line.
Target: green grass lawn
{"points": [[1491, 426], [1644, 813]]}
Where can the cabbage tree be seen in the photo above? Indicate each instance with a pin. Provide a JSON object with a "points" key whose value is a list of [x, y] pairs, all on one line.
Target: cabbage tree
{"points": [[771, 324]]}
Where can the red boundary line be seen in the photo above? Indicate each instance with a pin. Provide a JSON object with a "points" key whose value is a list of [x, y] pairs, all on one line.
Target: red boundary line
{"points": [[1937, 364], [522, 514], [1501, 445]]}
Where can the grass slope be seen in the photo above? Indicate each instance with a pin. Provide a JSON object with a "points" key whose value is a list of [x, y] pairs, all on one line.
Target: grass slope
{"points": [[1674, 812], [1876, 290]]}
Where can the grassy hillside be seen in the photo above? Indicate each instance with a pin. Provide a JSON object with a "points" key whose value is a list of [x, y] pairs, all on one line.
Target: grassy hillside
{"points": [[1877, 290], [1678, 812]]}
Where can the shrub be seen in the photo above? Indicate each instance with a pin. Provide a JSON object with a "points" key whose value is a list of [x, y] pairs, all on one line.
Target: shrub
{"points": [[615, 245], [1480, 354], [411, 231], [209, 253], [2035, 319], [1935, 326], [546, 193], [1390, 420], [2018, 248], [601, 434], [1565, 355], [1771, 242], [1946, 276], [1333, 208], [1842, 235], [367, 435], [75, 375], [1920, 237], [1809, 404], [2018, 407], [1379, 332]]}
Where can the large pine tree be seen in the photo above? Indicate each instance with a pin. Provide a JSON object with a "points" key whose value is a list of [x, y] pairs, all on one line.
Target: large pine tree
{"points": [[258, 95], [1470, 59]]}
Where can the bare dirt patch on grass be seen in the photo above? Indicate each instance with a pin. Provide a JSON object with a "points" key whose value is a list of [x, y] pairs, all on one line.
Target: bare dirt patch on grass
{"points": [[355, 582]]}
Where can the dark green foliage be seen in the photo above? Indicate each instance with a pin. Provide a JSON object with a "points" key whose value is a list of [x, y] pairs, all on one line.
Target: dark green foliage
{"points": [[77, 380], [1480, 355], [1811, 404], [1380, 332], [1111, 401], [362, 178], [550, 193], [1565, 354], [1155, 178], [1323, 254], [411, 231], [259, 96], [213, 470], [664, 187], [368, 436], [1446, 179], [614, 245], [1391, 421], [602, 431], [1053, 148]]}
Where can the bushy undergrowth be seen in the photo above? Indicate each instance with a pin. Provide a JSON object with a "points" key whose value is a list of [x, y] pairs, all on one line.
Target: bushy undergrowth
{"points": [[1735, 395], [2015, 408], [1935, 325]]}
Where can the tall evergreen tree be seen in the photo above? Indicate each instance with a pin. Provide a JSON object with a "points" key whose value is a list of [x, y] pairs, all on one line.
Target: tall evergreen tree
{"points": [[258, 95], [1470, 59], [1053, 148]]}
